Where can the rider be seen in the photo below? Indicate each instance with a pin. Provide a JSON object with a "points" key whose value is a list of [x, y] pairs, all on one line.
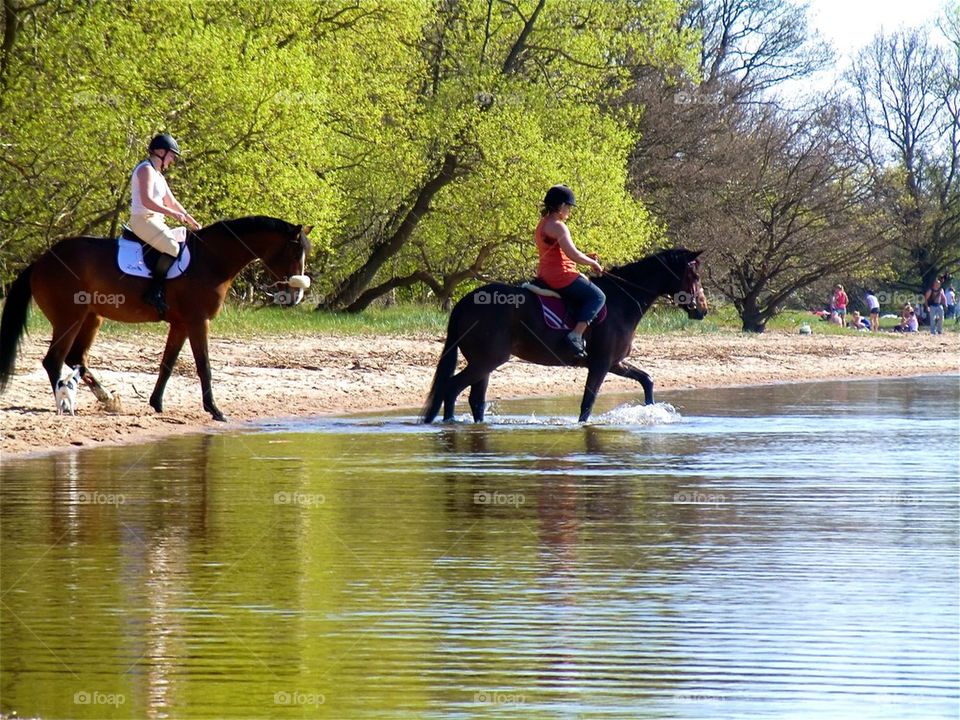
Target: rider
{"points": [[559, 258], [151, 200]]}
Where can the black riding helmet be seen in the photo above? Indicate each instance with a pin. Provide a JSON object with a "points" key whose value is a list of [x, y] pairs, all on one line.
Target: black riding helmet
{"points": [[164, 142], [559, 195]]}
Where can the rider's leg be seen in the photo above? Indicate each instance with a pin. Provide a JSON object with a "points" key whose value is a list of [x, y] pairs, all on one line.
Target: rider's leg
{"points": [[154, 294], [589, 299], [153, 231]]}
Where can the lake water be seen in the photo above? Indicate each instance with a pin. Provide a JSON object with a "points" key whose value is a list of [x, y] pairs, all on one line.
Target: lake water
{"points": [[786, 551]]}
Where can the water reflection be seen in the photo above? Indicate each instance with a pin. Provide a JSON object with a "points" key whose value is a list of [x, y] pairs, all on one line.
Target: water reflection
{"points": [[741, 561]]}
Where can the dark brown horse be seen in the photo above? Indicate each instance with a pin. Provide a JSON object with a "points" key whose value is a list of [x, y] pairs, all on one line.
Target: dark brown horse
{"points": [[496, 321], [77, 283]]}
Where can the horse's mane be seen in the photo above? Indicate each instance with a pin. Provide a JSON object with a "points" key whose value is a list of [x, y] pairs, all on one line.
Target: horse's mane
{"points": [[253, 223], [673, 258]]}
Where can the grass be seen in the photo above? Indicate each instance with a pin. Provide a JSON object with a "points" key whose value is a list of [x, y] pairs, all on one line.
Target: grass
{"points": [[251, 321]]}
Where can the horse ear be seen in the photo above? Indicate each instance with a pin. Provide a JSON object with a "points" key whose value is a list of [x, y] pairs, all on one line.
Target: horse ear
{"points": [[306, 229], [694, 254]]}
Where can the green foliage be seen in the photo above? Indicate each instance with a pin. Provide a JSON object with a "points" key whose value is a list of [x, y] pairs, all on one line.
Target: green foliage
{"points": [[333, 114]]}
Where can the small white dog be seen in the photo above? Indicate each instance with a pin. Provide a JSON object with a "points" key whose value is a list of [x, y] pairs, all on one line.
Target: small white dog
{"points": [[66, 394]]}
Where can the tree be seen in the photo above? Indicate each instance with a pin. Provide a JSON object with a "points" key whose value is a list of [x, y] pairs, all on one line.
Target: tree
{"points": [[794, 208], [510, 92], [731, 175], [417, 137], [97, 80], [905, 97]]}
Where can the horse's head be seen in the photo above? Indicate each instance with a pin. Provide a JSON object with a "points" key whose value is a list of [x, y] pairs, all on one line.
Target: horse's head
{"points": [[286, 265], [691, 296]]}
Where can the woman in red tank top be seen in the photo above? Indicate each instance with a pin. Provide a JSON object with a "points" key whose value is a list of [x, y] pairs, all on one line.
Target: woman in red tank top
{"points": [[559, 258]]}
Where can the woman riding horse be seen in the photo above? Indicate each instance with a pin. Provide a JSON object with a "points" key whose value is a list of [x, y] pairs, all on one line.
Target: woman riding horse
{"points": [[150, 201], [489, 333], [77, 283], [559, 258]]}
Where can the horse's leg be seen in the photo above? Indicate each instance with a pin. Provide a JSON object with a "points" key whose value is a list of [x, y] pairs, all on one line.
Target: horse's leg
{"points": [[77, 357], [198, 343], [60, 344], [595, 378], [632, 373], [458, 383], [478, 398], [175, 339]]}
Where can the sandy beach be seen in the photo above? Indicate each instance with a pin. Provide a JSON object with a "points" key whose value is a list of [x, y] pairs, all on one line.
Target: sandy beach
{"points": [[272, 377]]}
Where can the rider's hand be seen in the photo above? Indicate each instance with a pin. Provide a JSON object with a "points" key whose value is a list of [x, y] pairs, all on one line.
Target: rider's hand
{"points": [[191, 222]]}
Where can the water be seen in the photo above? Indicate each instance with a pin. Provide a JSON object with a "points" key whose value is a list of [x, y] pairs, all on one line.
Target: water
{"points": [[779, 552]]}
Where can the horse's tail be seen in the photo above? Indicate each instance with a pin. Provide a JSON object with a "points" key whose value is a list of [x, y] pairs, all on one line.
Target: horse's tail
{"points": [[13, 323], [445, 369]]}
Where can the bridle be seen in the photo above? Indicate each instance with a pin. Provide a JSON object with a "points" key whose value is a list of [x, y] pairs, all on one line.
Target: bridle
{"points": [[295, 282], [695, 296]]}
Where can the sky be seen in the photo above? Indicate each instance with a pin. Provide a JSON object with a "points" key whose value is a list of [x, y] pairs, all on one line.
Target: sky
{"points": [[851, 24]]}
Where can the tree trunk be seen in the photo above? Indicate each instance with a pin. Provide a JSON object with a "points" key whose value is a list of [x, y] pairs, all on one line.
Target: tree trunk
{"points": [[753, 318], [368, 296], [347, 295]]}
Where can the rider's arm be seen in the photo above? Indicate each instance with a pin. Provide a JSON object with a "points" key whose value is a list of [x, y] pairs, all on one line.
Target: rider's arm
{"points": [[179, 212], [570, 250]]}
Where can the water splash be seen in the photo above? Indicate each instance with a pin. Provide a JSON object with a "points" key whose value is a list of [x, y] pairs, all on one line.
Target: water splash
{"points": [[656, 414]]}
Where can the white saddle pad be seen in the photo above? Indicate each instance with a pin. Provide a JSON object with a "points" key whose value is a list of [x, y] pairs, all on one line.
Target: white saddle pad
{"points": [[130, 259]]}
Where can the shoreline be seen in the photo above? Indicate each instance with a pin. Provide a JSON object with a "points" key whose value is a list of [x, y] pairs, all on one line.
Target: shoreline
{"points": [[259, 380]]}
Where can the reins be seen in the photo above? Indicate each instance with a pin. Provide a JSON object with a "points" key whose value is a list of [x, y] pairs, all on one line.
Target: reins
{"points": [[615, 278]]}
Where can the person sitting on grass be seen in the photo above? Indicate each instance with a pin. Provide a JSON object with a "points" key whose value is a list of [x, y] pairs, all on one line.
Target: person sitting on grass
{"points": [[857, 322], [908, 320]]}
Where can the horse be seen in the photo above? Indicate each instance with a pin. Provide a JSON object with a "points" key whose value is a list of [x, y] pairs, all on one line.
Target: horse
{"points": [[77, 283], [497, 320]]}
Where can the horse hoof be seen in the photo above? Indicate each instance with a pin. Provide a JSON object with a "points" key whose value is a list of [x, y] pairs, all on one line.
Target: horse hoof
{"points": [[218, 416]]}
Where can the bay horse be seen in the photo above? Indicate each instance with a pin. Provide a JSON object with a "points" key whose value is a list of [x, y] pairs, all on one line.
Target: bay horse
{"points": [[488, 331], [77, 283]]}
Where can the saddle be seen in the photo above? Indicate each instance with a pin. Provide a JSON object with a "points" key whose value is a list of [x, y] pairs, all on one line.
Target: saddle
{"points": [[136, 257], [556, 314]]}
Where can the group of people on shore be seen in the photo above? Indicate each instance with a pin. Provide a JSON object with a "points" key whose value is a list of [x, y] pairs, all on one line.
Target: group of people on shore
{"points": [[939, 303]]}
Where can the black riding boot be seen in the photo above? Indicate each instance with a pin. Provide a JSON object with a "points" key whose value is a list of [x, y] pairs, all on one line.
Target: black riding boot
{"points": [[154, 295]]}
